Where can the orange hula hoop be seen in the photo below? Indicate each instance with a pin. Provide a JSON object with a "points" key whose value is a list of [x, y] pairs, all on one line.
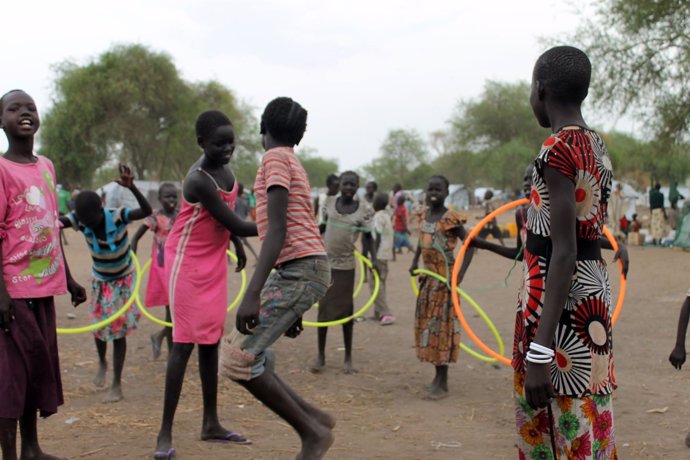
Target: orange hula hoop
{"points": [[461, 255]]}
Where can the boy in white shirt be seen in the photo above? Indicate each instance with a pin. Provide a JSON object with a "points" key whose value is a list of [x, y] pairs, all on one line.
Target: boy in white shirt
{"points": [[383, 245]]}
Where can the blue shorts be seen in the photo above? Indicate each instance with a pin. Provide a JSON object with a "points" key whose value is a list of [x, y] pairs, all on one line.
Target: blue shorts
{"points": [[289, 292]]}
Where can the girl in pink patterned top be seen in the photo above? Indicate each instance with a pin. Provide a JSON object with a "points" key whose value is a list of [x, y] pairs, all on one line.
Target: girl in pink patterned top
{"points": [[160, 223], [33, 271], [196, 269]]}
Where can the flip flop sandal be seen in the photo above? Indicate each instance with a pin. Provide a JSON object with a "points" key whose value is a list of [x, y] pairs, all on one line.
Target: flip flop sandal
{"points": [[162, 455], [230, 438]]}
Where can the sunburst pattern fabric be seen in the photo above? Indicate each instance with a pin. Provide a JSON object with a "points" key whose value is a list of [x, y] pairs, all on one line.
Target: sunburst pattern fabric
{"points": [[583, 340]]}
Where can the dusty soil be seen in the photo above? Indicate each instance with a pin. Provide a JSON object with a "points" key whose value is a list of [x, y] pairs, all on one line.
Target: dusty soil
{"points": [[380, 410]]}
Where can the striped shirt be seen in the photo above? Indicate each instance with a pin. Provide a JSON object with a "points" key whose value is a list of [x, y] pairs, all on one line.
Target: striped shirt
{"points": [[280, 167], [111, 257]]}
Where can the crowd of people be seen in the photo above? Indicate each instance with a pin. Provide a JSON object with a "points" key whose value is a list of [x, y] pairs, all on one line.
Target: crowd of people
{"points": [[562, 354]]}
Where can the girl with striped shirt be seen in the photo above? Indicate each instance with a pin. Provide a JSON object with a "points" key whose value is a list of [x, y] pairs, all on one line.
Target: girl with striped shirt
{"points": [[105, 231]]}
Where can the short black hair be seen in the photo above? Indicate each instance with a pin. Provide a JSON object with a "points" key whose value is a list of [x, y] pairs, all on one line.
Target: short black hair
{"points": [[349, 173], [166, 185], [285, 119], [441, 178], [566, 72], [87, 202], [376, 186], [209, 120], [2, 99], [380, 201], [240, 189], [331, 178]]}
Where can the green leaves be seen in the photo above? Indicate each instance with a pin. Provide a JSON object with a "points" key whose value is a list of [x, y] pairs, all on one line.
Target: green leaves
{"points": [[131, 105]]}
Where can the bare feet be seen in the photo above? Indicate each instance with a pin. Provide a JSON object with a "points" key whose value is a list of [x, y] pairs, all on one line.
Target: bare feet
{"points": [[348, 369], [436, 392], [315, 448], [99, 380], [318, 365], [36, 453], [163, 446], [114, 396]]}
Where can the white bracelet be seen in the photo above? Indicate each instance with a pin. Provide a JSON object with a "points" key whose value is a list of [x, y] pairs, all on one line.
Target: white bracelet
{"points": [[538, 359], [541, 349]]}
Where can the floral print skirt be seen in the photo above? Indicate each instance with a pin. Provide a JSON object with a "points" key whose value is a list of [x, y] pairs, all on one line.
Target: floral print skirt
{"points": [[582, 427], [107, 297]]}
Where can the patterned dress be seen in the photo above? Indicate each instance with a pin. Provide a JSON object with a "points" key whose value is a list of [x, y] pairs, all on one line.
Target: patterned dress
{"points": [[437, 329], [582, 372]]}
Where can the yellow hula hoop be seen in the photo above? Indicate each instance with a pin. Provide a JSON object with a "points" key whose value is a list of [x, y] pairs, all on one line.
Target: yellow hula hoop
{"points": [[148, 314], [105, 322], [362, 310], [474, 304]]}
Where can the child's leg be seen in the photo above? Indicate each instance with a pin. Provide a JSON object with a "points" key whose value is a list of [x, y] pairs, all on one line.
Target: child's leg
{"points": [[316, 438], [174, 377], [211, 429], [119, 354], [30, 449], [320, 362], [168, 330], [8, 438], [348, 329], [164, 333], [322, 417], [101, 348]]}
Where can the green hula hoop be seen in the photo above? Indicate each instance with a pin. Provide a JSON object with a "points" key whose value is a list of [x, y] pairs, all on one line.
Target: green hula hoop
{"points": [[362, 310], [107, 321], [478, 309], [360, 283], [150, 316]]}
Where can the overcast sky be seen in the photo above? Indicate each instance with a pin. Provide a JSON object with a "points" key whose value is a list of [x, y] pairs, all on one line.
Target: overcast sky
{"points": [[361, 68]]}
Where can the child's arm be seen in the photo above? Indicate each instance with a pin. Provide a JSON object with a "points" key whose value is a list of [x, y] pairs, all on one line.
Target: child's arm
{"points": [[239, 252], [76, 290], [127, 180], [507, 252], [469, 254], [678, 355], [137, 236], [248, 312], [6, 310], [621, 254], [415, 260], [198, 187]]}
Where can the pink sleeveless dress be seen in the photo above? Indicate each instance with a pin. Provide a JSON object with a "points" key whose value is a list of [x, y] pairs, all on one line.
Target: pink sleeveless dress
{"points": [[196, 268]]}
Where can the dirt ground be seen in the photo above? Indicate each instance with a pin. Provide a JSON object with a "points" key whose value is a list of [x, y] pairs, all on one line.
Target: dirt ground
{"points": [[380, 410]]}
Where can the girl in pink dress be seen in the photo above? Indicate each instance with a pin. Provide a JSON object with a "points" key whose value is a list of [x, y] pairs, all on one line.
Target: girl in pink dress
{"points": [[160, 223], [196, 269]]}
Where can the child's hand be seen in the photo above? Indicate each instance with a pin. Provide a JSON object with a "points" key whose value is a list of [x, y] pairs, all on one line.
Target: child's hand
{"points": [[296, 329], [677, 357], [248, 314], [77, 292], [413, 269], [622, 254], [126, 176], [241, 257], [6, 312]]}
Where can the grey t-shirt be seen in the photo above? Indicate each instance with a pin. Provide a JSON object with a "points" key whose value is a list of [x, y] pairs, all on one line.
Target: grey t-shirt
{"points": [[341, 234]]}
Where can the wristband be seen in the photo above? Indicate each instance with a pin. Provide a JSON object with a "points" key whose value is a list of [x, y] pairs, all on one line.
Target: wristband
{"points": [[541, 349]]}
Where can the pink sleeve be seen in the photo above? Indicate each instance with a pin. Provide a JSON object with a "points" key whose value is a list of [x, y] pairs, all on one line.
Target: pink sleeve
{"points": [[276, 170], [151, 222]]}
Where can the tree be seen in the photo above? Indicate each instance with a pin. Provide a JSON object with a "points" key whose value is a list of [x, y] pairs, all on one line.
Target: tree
{"points": [[501, 114], [640, 50], [401, 152], [131, 105], [492, 138], [317, 168]]}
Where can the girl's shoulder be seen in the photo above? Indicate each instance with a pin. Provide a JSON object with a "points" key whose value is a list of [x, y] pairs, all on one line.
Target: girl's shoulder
{"points": [[452, 219]]}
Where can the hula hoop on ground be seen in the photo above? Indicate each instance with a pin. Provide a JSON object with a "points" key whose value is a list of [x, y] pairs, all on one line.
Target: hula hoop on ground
{"points": [[477, 308], [150, 316], [107, 321], [461, 256], [362, 310]]}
